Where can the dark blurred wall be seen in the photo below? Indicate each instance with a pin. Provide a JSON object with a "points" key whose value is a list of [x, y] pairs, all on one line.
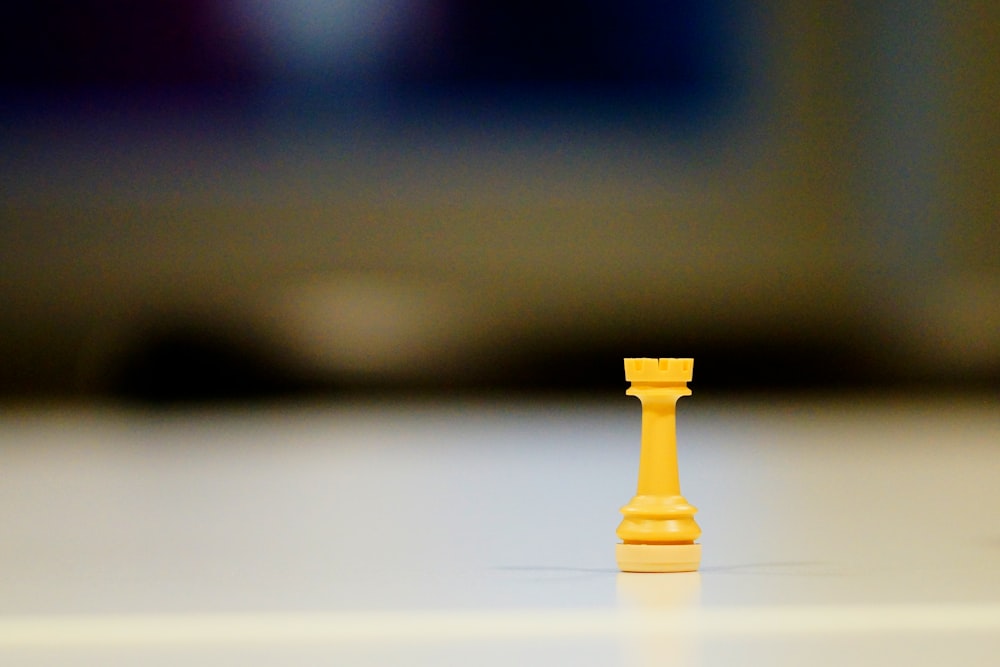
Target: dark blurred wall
{"points": [[229, 199], [66, 48]]}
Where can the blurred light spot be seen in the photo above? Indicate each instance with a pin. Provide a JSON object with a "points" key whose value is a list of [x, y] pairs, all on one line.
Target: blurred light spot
{"points": [[376, 326], [323, 35]]}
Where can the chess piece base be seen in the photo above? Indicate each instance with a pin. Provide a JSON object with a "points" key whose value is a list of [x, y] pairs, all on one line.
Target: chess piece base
{"points": [[658, 557]]}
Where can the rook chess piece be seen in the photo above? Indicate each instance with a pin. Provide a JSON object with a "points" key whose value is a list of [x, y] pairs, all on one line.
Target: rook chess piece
{"points": [[659, 530]]}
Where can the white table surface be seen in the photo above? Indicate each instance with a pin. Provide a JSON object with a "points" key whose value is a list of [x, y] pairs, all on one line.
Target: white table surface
{"points": [[861, 531]]}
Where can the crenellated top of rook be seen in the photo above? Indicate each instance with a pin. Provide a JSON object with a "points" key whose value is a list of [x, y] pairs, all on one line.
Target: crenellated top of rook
{"points": [[659, 370]]}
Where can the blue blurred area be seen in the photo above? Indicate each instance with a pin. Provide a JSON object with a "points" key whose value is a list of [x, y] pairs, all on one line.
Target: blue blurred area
{"points": [[668, 49], [678, 59]]}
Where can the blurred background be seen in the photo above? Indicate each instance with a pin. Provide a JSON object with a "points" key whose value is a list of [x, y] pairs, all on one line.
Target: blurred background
{"points": [[229, 199]]}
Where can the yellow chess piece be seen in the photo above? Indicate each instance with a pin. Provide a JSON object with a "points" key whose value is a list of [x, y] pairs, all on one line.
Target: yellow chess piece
{"points": [[659, 530]]}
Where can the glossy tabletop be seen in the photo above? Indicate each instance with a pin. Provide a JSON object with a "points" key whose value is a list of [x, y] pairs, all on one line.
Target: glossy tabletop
{"points": [[482, 532]]}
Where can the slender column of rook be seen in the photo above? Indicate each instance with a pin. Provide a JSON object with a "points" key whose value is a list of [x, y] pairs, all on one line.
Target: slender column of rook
{"points": [[659, 530]]}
